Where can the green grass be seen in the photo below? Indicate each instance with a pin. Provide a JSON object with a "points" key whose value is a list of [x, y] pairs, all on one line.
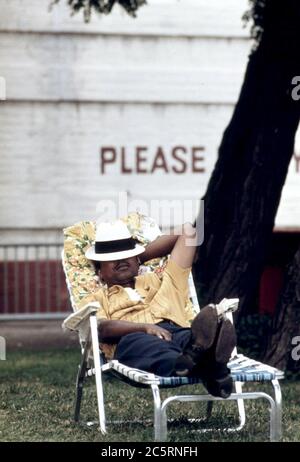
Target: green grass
{"points": [[37, 392]]}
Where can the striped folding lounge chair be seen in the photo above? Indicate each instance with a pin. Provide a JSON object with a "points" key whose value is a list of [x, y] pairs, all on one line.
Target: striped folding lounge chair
{"points": [[81, 282]]}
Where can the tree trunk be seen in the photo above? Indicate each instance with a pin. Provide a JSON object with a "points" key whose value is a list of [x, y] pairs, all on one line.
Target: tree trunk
{"points": [[286, 322], [244, 191]]}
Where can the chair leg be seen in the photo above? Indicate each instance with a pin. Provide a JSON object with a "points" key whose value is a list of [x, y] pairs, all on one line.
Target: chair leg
{"points": [[79, 389], [277, 427], [160, 419], [98, 373], [80, 381], [241, 406], [209, 408]]}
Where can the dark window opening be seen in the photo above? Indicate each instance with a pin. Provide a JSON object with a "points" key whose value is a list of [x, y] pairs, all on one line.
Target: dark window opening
{"points": [[280, 253]]}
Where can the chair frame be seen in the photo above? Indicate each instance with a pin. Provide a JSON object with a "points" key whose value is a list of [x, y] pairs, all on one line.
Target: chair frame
{"points": [[145, 379], [160, 407]]}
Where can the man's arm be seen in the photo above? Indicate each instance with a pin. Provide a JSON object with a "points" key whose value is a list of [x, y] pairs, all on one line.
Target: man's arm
{"points": [[110, 331], [163, 245], [184, 250], [177, 243]]}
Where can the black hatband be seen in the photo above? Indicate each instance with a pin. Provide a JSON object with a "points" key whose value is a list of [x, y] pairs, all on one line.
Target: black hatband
{"points": [[118, 245]]}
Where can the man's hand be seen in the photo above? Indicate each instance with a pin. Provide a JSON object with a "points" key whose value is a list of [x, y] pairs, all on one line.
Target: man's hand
{"points": [[153, 329]]}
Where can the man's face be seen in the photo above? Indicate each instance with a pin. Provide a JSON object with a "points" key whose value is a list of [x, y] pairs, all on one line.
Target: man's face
{"points": [[121, 272]]}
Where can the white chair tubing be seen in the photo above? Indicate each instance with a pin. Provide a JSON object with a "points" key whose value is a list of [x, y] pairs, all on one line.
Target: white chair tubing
{"points": [[275, 411], [98, 375]]}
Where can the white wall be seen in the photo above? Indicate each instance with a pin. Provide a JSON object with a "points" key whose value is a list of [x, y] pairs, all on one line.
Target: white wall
{"points": [[170, 77]]}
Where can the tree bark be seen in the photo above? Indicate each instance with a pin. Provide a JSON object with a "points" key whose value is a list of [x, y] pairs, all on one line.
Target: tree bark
{"points": [[286, 322], [244, 191]]}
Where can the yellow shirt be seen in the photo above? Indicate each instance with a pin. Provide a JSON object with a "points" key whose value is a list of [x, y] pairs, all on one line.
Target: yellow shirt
{"points": [[162, 297]]}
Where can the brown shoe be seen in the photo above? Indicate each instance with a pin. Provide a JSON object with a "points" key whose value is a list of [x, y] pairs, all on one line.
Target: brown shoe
{"points": [[204, 328], [203, 334], [226, 342], [213, 368]]}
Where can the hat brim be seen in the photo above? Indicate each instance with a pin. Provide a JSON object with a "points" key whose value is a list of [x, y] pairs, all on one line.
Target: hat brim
{"points": [[92, 255]]}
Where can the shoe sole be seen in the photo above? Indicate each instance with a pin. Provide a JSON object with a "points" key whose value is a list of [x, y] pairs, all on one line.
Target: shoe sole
{"points": [[220, 340], [204, 328], [203, 333], [226, 342]]}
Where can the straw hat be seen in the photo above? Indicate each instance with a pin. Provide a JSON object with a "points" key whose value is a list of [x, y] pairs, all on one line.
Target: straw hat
{"points": [[113, 242]]}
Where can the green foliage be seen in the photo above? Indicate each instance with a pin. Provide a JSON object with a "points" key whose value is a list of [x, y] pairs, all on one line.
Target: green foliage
{"points": [[101, 6], [252, 334], [256, 14]]}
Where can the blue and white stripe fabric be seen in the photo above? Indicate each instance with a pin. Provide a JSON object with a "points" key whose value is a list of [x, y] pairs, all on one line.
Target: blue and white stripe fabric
{"points": [[243, 369]]}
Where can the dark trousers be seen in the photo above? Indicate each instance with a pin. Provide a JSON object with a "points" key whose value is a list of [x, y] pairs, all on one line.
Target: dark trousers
{"points": [[152, 354]]}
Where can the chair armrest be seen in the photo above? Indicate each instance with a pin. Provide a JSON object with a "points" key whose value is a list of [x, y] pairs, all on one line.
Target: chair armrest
{"points": [[227, 306], [76, 320]]}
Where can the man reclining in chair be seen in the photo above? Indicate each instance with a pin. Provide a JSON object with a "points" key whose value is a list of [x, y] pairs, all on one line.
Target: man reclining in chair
{"points": [[146, 316]]}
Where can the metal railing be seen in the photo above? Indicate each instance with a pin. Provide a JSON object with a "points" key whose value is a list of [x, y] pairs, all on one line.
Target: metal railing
{"points": [[32, 283]]}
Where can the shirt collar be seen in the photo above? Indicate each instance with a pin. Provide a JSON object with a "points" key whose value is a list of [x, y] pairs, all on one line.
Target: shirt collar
{"points": [[139, 283], [115, 289]]}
